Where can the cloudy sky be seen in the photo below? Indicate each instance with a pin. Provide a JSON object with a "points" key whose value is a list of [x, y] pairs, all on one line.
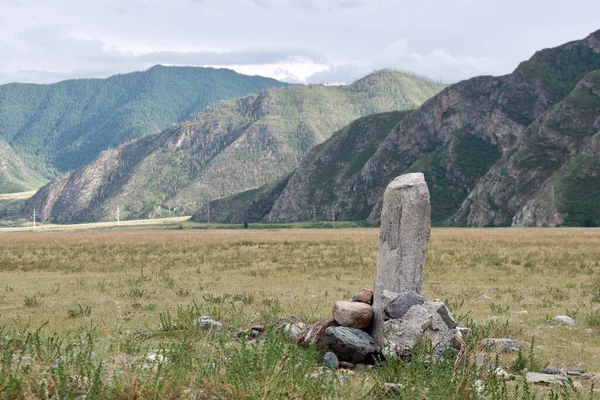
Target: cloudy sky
{"points": [[329, 41]]}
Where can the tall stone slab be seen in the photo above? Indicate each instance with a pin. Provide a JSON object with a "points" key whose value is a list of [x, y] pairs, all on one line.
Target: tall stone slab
{"points": [[403, 240]]}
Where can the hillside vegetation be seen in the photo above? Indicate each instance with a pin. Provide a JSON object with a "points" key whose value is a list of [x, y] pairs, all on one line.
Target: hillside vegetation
{"points": [[519, 149], [15, 176], [60, 127], [234, 146]]}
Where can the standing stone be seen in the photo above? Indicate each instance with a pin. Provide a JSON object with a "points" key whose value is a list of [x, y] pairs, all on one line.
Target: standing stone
{"points": [[403, 239]]}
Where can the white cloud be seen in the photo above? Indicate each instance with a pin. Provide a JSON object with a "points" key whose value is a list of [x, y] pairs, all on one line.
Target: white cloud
{"points": [[295, 40]]}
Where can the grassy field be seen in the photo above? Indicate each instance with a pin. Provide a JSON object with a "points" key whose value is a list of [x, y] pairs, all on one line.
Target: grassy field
{"points": [[15, 196], [79, 311]]}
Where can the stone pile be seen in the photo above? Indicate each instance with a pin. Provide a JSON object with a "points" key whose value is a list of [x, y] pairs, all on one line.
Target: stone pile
{"points": [[394, 317]]}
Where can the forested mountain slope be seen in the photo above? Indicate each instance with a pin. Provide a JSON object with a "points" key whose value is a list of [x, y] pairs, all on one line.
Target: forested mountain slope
{"points": [[234, 146], [15, 176], [62, 126]]}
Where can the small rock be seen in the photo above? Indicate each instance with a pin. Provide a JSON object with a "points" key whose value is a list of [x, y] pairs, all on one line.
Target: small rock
{"points": [[352, 345], [550, 379], [364, 295], [575, 372], [502, 374], [484, 297], [315, 334], [352, 314], [206, 322], [153, 357], [465, 333], [589, 331], [502, 345], [399, 306], [577, 386], [347, 365], [551, 370], [330, 360], [386, 390], [296, 331], [522, 312], [564, 319], [253, 332]]}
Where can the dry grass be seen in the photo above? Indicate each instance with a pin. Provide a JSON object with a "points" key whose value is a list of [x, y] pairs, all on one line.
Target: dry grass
{"points": [[15, 196], [124, 280]]}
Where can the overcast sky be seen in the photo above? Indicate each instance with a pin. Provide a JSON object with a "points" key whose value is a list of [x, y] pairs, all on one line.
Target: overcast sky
{"points": [[330, 41]]}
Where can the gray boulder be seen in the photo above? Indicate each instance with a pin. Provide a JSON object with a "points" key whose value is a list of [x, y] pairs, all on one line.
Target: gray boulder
{"points": [[548, 379], [429, 321], [551, 370], [400, 305], [501, 345], [315, 334], [352, 345], [330, 360]]}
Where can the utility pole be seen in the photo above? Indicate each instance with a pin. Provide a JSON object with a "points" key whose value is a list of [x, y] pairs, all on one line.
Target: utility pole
{"points": [[333, 216], [118, 216], [208, 219], [314, 212], [34, 217]]}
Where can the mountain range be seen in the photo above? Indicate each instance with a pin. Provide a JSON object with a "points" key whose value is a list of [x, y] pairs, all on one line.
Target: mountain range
{"points": [[63, 126], [233, 146], [521, 149]]}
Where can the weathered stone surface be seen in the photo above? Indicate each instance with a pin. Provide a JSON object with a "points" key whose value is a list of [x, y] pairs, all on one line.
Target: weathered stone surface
{"points": [[399, 306], [551, 370], [364, 295], [352, 345], [403, 239], [330, 360], [421, 322], [296, 331], [550, 379], [206, 322], [503, 375], [564, 319], [352, 314], [502, 345], [315, 334]]}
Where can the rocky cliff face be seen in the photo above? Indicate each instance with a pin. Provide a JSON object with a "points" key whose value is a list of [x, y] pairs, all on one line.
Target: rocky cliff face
{"points": [[232, 147], [493, 150]]}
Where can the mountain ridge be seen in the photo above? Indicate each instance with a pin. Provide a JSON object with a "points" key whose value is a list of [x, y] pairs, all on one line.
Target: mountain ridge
{"points": [[232, 146], [461, 139], [62, 126]]}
